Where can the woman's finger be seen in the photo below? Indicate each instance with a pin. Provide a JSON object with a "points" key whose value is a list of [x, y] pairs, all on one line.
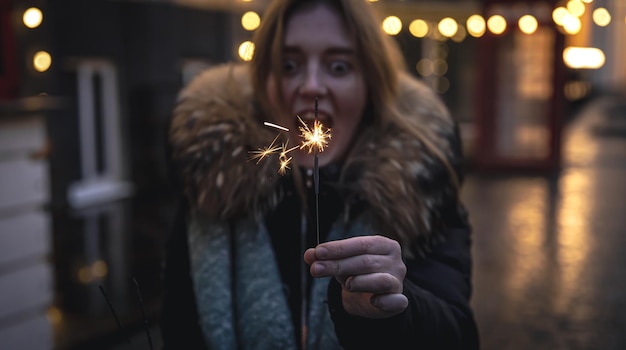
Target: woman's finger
{"points": [[363, 245], [309, 256], [390, 303], [358, 265], [377, 283]]}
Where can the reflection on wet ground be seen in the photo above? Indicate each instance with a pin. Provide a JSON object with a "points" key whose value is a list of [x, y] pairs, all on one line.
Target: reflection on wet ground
{"points": [[99, 256], [549, 251]]}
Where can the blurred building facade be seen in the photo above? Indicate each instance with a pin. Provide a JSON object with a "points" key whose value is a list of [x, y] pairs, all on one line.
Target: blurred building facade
{"points": [[86, 92]]}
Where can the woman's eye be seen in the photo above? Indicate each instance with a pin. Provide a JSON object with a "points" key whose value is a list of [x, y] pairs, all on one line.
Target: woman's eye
{"points": [[289, 66], [339, 67]]}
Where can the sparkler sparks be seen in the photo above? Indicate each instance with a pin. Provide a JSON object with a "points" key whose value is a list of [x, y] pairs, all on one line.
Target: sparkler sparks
{"points": [[264, 152], [284, 159], [275, 126], [313, 139], [316, 138]]}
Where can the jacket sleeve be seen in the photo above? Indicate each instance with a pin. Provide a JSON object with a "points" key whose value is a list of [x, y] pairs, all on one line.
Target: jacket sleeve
{"points": [[439, 316]]}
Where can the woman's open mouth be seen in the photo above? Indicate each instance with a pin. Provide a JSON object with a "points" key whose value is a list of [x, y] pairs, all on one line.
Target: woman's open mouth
{"points": [[308, 118]]}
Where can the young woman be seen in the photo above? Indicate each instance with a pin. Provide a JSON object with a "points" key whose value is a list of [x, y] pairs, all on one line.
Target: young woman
{"points": [[244, 268]]}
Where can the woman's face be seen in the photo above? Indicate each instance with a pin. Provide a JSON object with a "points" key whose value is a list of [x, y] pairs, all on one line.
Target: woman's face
{"points": [[320, 60]]}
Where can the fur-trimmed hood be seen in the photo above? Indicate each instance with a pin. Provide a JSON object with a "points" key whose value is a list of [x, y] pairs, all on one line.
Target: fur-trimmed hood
{"points": [[216, 125]]}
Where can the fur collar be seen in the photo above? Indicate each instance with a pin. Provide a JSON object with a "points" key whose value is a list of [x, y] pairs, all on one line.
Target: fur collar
{"points": [[216, 125]]}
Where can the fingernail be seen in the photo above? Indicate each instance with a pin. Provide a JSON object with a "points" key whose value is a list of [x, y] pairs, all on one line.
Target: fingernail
{"points": [[321, 252], [319, 268]]}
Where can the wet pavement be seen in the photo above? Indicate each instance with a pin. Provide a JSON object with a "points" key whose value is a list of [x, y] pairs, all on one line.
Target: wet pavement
{"points": [[550, 252]]}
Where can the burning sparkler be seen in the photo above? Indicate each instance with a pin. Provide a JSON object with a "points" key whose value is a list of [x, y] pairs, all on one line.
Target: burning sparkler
{"points": [[314, 140]]}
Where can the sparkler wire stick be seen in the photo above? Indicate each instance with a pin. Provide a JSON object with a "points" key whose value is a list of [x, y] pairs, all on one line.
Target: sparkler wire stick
{"points": [[316, 180], [314, 140], [117, 320], [143, 313]]}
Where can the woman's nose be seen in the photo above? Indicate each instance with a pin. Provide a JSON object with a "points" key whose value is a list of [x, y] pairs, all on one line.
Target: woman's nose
{"points": [[313, 83]]}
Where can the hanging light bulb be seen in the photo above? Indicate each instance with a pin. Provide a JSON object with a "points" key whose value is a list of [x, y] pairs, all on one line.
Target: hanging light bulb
{"points": [[392, 25], [496, 24], [601, 17], [419, 28], [528, 24], [250, 20], [476, 25], [448, 27], [42, 61], [32, 17], [246, 50]]}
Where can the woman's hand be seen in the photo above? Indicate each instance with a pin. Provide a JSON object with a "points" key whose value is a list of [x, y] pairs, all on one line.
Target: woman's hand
{"points": [[370, 270]]}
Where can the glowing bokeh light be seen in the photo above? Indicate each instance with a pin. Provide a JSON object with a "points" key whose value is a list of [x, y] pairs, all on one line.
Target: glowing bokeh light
{"points": [[250, 20], [476, 26], [392, 25], [576, 8], [440, 67], [460, 35], [496, 24], [601, 17], [559, 14], [572, 25], [528, 24], [84, 275], [42, 61], [246, 50], [448, 27], [419, 28], [32, 17], [99, 269], [583, 57], [425, 67], [54, 315], [575, 90]]}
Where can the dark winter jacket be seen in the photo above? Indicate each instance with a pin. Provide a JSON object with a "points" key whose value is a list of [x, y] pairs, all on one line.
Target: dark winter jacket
{"points": [[230, 276]]}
